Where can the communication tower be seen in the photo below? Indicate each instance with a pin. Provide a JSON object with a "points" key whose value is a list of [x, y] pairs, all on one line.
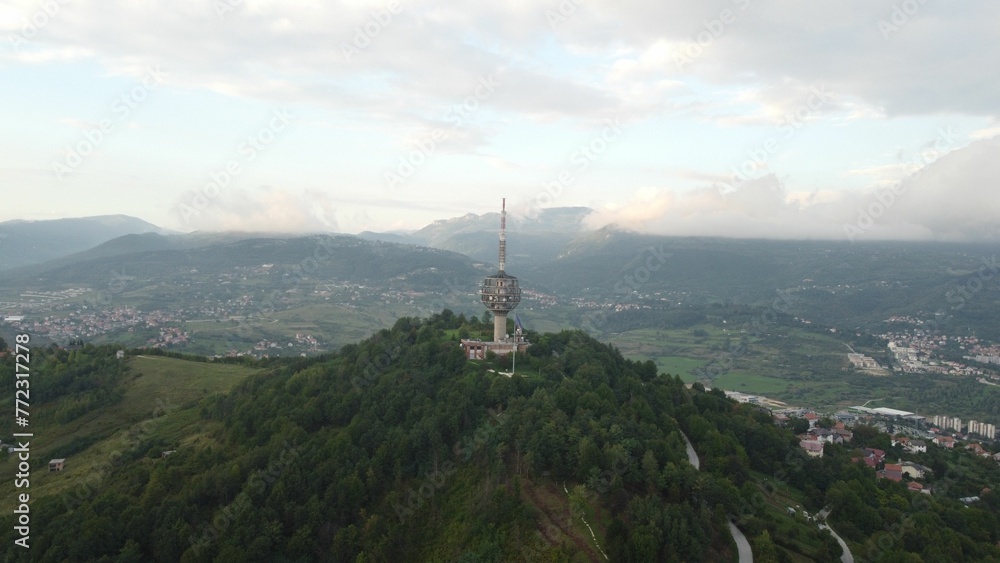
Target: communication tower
{"points": [[500, 292]]}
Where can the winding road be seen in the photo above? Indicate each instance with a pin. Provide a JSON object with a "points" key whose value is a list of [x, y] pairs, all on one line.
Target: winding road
{"points": [[845, 557], [692, 455], [742, 545]]}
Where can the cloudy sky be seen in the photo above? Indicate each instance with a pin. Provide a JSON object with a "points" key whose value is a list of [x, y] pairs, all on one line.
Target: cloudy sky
{"points": [[853, 119]]}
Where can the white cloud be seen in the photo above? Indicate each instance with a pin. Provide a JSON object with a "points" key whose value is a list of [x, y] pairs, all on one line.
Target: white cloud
{"points": [[985, 133], [265, 209], [949, 199], [432, 47], [756, 70]]}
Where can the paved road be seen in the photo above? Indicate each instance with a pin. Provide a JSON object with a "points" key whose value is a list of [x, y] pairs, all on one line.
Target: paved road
{"points": [[692, 455], [742, 545], [746, 556], [845, 557]]}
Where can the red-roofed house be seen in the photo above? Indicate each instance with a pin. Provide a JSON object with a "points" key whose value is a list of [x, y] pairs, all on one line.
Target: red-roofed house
{"points": [[944, 441], [812, 447], [824, 435], [892, 471], [977, 449], [876, 454], [869, 461]]}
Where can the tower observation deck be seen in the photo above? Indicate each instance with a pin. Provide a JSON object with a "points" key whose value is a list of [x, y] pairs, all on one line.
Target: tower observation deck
{"points": [[501, 292]]}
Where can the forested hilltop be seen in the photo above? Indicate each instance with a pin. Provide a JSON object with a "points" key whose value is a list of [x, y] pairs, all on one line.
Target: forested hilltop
{"points": [[399, 449]]}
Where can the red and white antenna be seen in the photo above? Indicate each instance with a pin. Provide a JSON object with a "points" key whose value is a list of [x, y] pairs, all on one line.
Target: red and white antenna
{"points": [[503, 234]]}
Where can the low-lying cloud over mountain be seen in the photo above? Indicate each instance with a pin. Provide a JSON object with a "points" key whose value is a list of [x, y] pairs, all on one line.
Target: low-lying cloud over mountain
{"points": [[951, 198]]}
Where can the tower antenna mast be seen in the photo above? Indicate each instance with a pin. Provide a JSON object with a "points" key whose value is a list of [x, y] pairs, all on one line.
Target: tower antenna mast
{"points": [[503, 235]]}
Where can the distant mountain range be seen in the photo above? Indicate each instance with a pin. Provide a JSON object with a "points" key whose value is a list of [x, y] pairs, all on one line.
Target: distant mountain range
{"points": [[534, 240], [70, 241], [152, 257], [34, 242], [838, 283]]}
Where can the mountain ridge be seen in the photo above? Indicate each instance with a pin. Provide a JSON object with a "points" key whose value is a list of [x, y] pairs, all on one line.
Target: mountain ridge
{"points": [[26, 242]]}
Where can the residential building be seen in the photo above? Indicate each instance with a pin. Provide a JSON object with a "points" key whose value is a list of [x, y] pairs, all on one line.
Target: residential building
{"points": [[813, 448], [892, 471], [983, 429], [944, 441], [914, 470]]}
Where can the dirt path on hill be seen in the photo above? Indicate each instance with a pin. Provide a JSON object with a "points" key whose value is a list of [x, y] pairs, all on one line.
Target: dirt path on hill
{"points": [[554, 515]]}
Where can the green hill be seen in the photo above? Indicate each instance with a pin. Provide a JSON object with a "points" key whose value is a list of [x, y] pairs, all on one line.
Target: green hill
{"points": [[398, 448], [93, 409]]}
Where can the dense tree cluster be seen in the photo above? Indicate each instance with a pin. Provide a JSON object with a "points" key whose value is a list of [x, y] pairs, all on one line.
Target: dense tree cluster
{"points": [[398, 448], [89, 376]]}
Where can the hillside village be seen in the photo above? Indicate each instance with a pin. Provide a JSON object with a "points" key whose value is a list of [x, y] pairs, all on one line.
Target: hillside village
{"points": [[911, 434]]}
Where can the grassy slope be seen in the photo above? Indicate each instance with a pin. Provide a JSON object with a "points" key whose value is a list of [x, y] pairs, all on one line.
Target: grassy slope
{"points": [[156, 393]]}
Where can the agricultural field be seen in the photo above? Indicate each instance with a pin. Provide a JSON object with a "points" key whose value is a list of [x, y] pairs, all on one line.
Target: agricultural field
{"points": [[787, 363]]}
